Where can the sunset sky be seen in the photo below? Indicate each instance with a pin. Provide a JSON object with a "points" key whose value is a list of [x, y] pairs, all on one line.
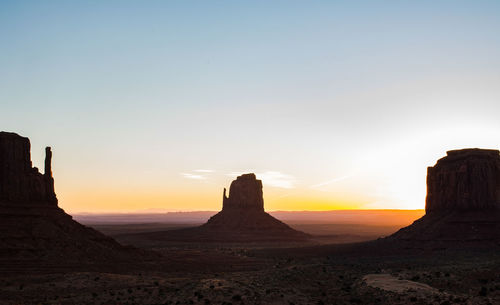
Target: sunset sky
{"points": [[159, 105]]}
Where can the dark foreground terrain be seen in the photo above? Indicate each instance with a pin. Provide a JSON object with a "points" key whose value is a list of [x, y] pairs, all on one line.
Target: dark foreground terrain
{"points": [[378, 272]]}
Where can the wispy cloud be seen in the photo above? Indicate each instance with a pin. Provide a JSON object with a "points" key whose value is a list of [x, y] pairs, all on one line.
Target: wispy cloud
{"points": [[193, 176], [198, 174], [270, 178], [277, 179], [331, 181]]}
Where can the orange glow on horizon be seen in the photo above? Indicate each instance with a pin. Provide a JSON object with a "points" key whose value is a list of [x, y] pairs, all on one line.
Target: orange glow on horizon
{"points": [[126, 201]]}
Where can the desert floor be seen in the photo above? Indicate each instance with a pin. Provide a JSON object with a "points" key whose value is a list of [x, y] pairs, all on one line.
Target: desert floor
{"points": [[312, 273]]}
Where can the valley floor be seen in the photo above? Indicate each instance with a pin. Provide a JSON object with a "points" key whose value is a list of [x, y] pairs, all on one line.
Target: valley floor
{"points": [[337, 267], [319, 275]]}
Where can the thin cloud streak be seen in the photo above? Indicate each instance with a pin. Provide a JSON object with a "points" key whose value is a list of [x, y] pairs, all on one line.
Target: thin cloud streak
{"points": [[193, 176], [331, 181]]}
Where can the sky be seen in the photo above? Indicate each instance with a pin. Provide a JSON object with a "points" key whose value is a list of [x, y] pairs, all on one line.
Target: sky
{"points": [[159, 105]]}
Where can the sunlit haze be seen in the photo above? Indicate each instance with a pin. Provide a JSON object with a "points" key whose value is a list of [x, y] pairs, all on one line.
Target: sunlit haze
{"points": [[159, 105]]}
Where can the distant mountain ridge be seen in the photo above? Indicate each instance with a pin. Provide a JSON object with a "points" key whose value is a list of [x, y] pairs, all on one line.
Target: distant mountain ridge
{"points": [[372, 217]]}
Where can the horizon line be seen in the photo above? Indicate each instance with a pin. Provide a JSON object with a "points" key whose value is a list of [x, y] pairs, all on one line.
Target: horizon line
{"points": [[216, 211]]}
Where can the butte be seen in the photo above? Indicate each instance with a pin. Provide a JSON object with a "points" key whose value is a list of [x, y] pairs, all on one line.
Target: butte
{"points": [[241, 220], [35, 232], [463, 200]]}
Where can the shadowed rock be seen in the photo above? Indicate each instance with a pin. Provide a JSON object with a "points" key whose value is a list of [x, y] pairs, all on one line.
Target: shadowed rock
{"points": [[464, 180], [244, 193], [243, 214], [463, 199], [241, 220], [32, 226], [19, 181]]}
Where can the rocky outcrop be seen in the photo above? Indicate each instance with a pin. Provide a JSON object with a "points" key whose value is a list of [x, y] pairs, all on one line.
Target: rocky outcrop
{"points": [[464, 180], [244, 193], [19, 181], [242, 220], [32, 226], [463, 199], [243, 216]]}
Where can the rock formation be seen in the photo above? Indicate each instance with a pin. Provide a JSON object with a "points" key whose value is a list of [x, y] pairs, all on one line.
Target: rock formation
{"points": [[241, 220], [463, 199], [464, 180], [32, 226], [19, 181], [243, 213], [244, 193]]}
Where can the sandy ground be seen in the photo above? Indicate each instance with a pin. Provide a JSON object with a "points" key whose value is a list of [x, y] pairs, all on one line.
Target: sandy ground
{"points": [[391, 283]]}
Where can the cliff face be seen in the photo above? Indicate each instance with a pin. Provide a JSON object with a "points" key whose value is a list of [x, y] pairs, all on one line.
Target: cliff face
{"points": [[463, 200], [464, 180], [19, 181], [244, 193], [34, 228]]}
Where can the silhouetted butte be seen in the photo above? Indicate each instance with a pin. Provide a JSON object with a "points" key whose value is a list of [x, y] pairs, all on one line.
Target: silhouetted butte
{"points": [[32, 226], [463, 199], [241, 220]]}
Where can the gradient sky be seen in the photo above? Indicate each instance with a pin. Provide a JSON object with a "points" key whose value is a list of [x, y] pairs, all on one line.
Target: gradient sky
{"points": [[334, 104]]}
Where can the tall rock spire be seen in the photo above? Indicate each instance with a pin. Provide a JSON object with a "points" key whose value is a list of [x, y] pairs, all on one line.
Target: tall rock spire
{"points": [[48, 161], [49, 180]]}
